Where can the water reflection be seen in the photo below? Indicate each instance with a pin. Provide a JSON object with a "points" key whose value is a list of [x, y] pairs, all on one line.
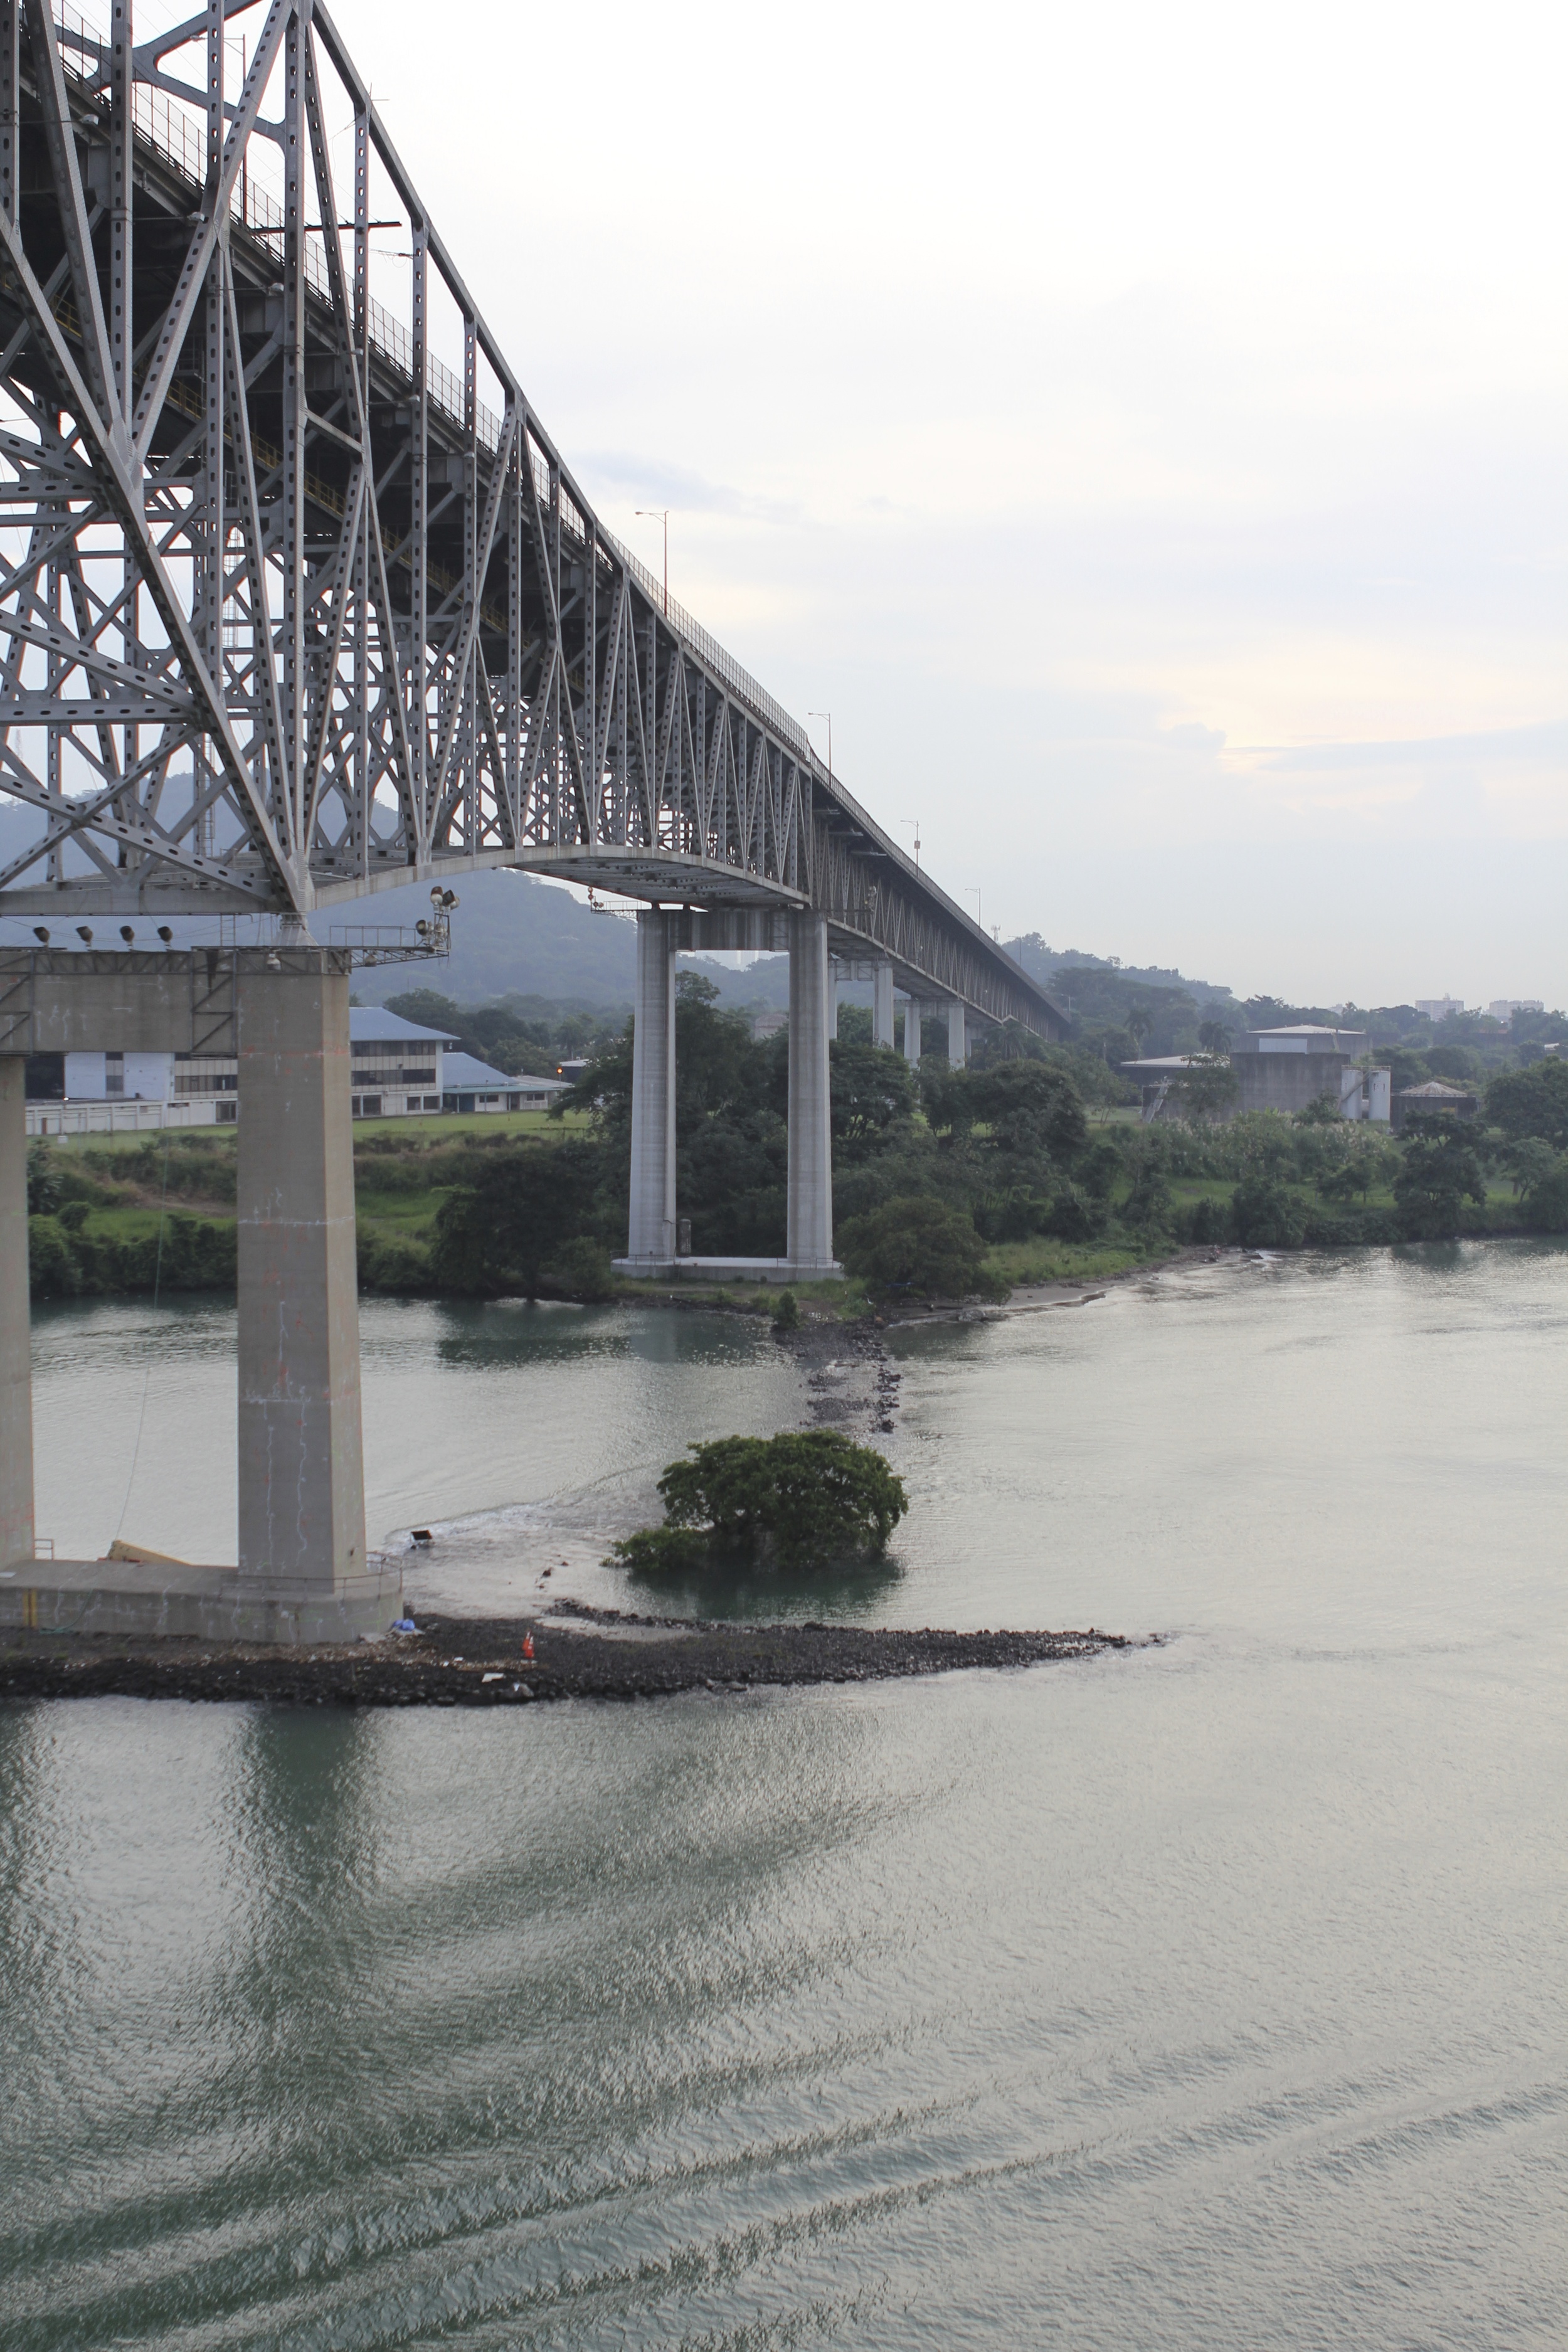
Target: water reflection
{"points": [[1203, 1998], [848, 1588]]}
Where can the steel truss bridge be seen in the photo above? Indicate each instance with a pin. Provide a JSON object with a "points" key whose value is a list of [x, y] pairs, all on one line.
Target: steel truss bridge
{"points": [[290, 610]]}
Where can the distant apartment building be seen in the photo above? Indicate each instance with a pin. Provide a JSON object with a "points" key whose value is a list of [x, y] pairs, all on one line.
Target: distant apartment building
{"points": [[1439, 1008], [1503, 1008], [397, 1070]]}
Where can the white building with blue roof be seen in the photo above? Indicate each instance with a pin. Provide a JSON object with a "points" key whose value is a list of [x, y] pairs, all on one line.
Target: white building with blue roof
{"points": [[397, 1070], [473, 1085]]}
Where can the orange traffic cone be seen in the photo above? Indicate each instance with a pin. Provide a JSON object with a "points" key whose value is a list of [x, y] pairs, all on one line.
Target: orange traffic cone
{"points": [[527, 1645]]}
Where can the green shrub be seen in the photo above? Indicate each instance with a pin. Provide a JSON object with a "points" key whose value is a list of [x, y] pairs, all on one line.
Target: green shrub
{"points": [[786, 1314], [394, 1265], [43, 1195], [1546, 1197], [1075, 1216], [1264, 1216], [53, 1270], [582, 1269], [805, 1496], [917, 1243], [1206, 1221]]}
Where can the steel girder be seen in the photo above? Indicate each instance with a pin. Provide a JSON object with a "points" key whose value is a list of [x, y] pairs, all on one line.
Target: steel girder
{"points": [[287, 612]]}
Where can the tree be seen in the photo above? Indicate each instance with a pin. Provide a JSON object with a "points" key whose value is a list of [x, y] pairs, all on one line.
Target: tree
{"points": [[916, 1243], [1029, 1107], [1442, 1169], [1214, 1036], [1532, 1101], [1530, 1162], [1207, 1087], [500, 1232], [1546, 1195], [868, 1087], [795, 1499], [46, 1188], [1265, 1215]]}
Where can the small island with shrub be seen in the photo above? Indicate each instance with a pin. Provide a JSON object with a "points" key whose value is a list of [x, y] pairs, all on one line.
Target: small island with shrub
{"points": [[798, 1499]]}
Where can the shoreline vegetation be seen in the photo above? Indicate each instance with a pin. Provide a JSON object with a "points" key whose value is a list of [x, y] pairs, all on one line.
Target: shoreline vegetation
{"points": [[954, 1185]]}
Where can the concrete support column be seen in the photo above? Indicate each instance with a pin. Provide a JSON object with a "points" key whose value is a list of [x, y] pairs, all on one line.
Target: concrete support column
{"points": [[957, 1043], [16, 1540], [911, 1029], [810, 1196], [882, 1006], [301, 1471], [651, 1224]]}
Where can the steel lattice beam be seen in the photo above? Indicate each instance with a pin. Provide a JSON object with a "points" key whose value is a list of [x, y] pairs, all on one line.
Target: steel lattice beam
{"points": [[287, 612]]}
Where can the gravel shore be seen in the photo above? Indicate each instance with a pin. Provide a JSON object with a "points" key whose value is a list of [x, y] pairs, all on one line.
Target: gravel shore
{"points": [[479, 1662]]}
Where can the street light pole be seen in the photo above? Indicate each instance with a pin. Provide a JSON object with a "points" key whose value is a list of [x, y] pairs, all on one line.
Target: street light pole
{"points": [[828, 716], [661, 514]]}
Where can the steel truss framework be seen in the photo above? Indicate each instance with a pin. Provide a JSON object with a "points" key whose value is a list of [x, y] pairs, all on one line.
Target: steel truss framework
{"points": [[287, 612]]}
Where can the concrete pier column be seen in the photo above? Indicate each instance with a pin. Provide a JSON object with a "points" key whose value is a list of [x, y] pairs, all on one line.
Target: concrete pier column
{"points": [[957, 1043], [911, 1029], [882, 1006], [651, 1224], [301, 1473], [810, 1192], [17, 1540]]}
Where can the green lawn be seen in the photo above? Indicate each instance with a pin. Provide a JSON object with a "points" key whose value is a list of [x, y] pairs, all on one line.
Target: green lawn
{"points": [[1042, 1259]]}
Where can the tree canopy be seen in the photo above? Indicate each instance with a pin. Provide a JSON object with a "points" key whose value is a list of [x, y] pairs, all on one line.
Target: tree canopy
{"points": [[1532, 1101], [805, 1496]]}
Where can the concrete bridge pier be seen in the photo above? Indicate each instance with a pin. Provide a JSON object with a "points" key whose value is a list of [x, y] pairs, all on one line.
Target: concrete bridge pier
{"points": [[810, 1181], [303, 1574], [650, 1240], [957, 1041], [652, 1223], [882, 1006], [301, 1464], [913, 1029], [17, 1542]]}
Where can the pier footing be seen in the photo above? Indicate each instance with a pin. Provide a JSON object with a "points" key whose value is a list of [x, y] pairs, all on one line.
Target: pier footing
{"points": [[140, 1599], [728, 1269]]}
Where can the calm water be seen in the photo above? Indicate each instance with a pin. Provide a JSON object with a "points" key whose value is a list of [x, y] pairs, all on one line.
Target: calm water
{"points": [[1210, 1997]]}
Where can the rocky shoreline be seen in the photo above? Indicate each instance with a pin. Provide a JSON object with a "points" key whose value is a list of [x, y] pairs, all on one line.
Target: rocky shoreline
{"points": [[578, 1653]]}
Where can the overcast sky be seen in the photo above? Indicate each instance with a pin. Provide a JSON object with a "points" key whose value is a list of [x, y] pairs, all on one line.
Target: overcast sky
{"points": [[1143, 428]]}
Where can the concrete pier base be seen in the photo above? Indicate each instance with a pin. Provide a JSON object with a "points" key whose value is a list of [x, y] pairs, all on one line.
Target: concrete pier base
{"points": [[651, 1239], [143, 1600], [727, 1269], [809, 1246]]}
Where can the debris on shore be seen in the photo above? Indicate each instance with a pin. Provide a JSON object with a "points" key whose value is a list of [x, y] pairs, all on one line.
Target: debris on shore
{"points": [[577, 1653]]}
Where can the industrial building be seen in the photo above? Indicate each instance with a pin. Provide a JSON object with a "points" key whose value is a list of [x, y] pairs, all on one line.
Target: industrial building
{"points": [[1277, 1069], [1433, 1100]]}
